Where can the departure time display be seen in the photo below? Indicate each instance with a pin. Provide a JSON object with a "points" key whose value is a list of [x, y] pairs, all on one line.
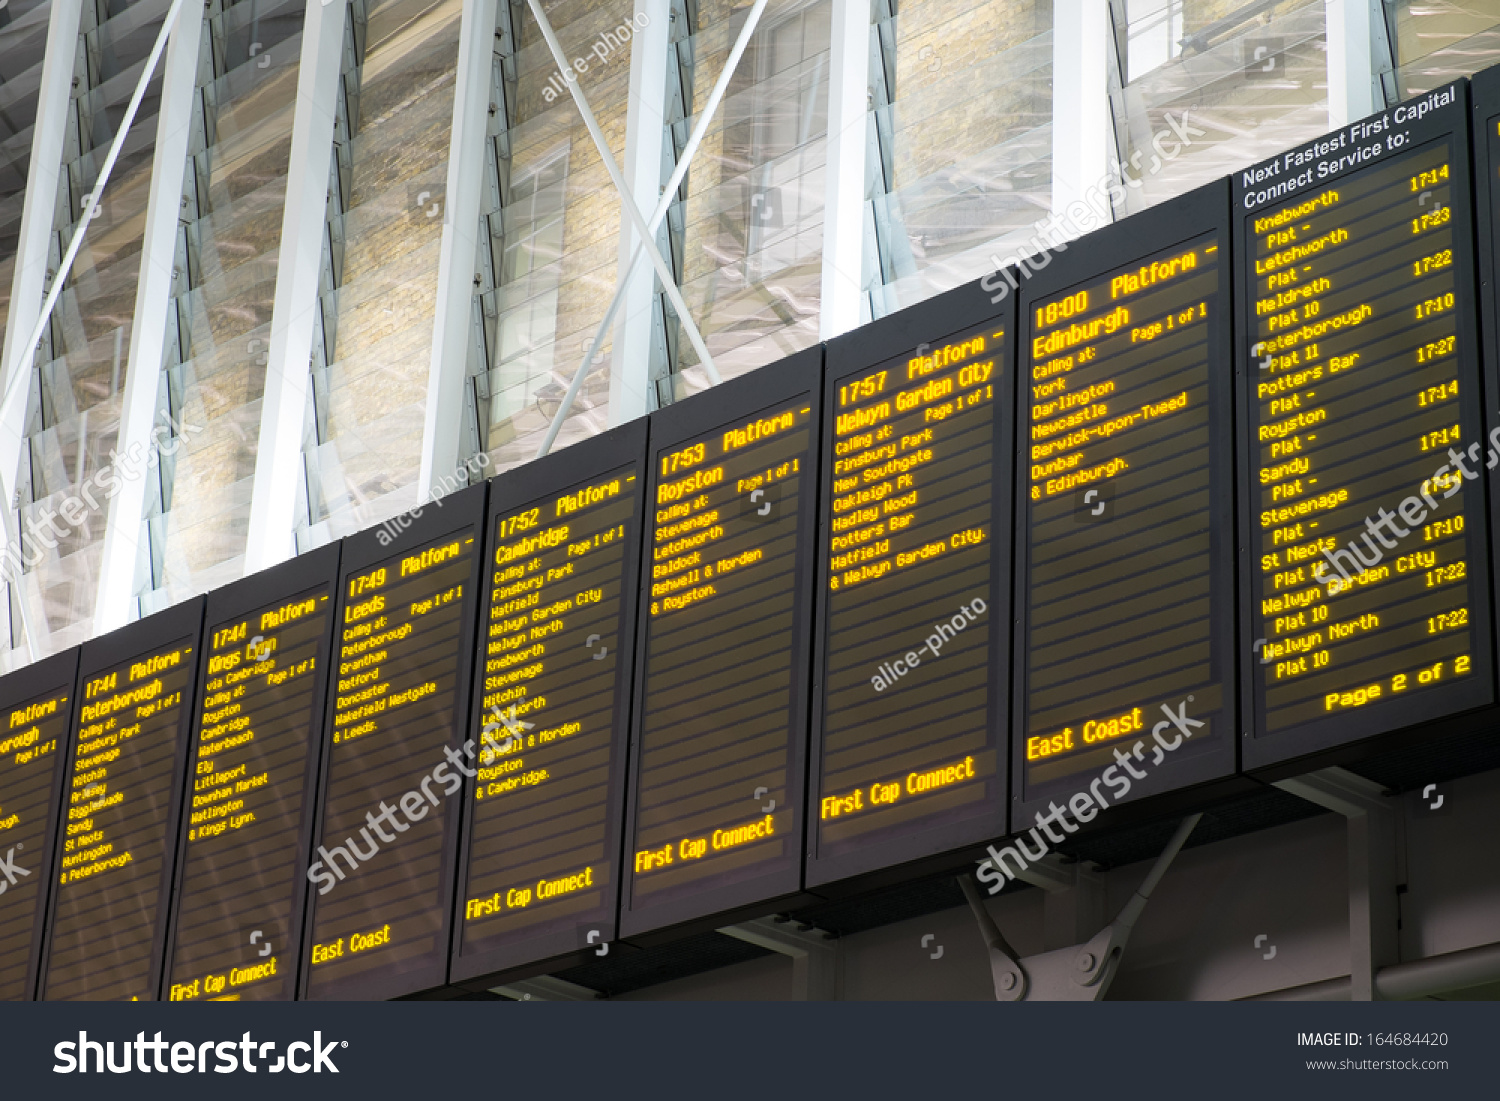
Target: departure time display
{"points": [[908, 733], [248, 782], [543, 840], [392, 776], [116, 852], [718, 776], [1367, 585], [32, 738], [1126, 592]]}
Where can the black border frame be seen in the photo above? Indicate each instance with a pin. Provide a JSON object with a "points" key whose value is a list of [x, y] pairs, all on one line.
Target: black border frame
{"points": [[179, 621], [429, 523], [777, 384], [1264, 750], [932, 323], [1137, 239], [1484, 113], [542, 479], [240, 598]]}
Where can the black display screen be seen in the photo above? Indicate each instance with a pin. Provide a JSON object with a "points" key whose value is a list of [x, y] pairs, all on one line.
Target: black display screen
{"points": [[382, 870], [1126, 573], [114, 866], [721, 744], [542, 872], [251, 779], [909, 742], [1368, 592], [35, 706]]}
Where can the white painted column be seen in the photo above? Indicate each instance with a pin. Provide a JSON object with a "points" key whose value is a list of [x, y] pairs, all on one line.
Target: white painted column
{"points": [[1080, 100], [29, 279], [122, 529], [448, 373], [1353, 83], [278, 459], [29, 282], [844, 178], [645, 136]]}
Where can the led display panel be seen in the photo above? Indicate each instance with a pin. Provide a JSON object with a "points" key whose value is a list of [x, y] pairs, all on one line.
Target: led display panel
{"points": [[35, 706], [541, 870], [719, 760], [911, 709], [127, 753], [1125, 566], [252, 778], [1363, 442], [386, 842]]}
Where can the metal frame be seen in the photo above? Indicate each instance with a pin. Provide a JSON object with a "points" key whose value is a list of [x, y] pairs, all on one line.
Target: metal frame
{"points": [[1373, 919], [814, 954]]}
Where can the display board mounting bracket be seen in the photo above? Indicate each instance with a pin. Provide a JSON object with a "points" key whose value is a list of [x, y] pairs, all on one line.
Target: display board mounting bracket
{"points": [[1082, 972], [814, 954], [1374, 925]]}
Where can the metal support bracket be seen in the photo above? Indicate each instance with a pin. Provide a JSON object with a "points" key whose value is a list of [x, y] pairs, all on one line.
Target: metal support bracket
{"points": [[814, 954], [1082, 972], [1373, 917]]}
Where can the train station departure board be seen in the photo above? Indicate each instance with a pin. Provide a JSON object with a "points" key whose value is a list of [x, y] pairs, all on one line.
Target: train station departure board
{"points": [[386, 845], [541, 870], [909, 751], [35, 706], [252, 779], [114, 865], [720, 752], [1125, 558], [1368, 584]]}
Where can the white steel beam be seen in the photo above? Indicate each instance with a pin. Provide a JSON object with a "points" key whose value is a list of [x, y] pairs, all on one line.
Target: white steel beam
{"points": [[153, 298], [645, 135], [278, 458], [1353, 81], [448, 373], [29, 280], [1080, 100], [14, 390], [844, 179]]}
